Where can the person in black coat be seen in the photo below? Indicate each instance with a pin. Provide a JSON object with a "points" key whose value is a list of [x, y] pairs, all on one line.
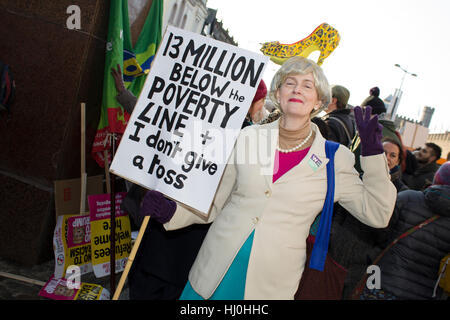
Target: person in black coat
{"points": [[162, 263], [339, 118], [427, 167], [409, 270]]}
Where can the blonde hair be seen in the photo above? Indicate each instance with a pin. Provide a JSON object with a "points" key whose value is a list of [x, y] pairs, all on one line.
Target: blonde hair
{"points": [[300, 65]]}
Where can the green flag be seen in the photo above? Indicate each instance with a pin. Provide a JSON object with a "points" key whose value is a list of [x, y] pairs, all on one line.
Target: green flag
{"points": [[135, 63]]}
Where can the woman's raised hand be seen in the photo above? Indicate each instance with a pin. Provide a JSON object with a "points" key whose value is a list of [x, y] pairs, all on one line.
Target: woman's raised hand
{"points": [[370, 131]]}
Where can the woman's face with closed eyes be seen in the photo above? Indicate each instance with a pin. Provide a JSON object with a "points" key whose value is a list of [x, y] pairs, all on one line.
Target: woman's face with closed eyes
{"points": [[298, 95]]}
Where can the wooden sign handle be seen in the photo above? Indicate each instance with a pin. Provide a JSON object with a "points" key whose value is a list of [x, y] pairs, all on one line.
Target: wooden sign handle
{"points": [[131, 258]]}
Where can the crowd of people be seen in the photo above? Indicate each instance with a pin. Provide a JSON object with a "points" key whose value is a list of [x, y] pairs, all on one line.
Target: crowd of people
{"points": [[342, 188]]}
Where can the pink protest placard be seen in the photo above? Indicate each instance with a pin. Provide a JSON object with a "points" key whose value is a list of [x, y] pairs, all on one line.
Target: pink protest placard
{"points": [[56, 289], [79, 231], [100, 211], [100, 206]]}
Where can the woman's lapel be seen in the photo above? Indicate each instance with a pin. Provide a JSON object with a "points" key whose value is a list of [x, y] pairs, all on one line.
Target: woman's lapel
{"points": [[314, 161]]}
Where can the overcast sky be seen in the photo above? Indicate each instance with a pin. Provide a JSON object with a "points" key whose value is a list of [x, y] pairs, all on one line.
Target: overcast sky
{"points": [[375, 35]]}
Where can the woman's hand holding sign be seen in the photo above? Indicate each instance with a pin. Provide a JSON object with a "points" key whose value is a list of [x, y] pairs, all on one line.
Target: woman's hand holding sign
{"points": [[157, 206]]}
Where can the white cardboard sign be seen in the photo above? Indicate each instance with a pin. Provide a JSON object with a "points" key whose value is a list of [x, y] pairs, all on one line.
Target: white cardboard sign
{"points": [[188, 116]]}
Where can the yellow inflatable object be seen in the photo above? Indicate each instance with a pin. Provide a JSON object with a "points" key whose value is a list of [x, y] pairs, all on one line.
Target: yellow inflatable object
{"points": [[324, 38]]}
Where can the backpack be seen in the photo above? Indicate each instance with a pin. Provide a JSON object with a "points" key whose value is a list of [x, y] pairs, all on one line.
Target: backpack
{"points": [[347, 132], [7, 87]]}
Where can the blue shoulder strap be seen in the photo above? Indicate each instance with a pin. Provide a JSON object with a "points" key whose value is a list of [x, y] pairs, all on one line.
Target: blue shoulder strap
{"points": [[320, 248]]}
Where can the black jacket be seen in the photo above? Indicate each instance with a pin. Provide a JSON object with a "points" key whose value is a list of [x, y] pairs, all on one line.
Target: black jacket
{"points": [[353, 245], [337, 132], [161, 266], [409, 270], [396, 179], [422, 177]]}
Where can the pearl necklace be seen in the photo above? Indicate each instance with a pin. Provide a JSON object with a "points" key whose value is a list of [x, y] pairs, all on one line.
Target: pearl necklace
{"points": [[297, 146]]}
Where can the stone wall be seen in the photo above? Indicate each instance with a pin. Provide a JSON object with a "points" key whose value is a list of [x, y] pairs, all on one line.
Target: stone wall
{"points": [[55, 69]]}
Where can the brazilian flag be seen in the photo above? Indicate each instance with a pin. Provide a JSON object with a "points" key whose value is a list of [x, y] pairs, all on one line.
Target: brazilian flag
{"points": [[135, 63]]}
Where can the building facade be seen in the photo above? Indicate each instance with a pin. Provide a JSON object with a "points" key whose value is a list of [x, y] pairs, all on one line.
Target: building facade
{"points": [[413, 133], [188, 15], [215, 29], [442, 140], [427, 114], [194, 16]]}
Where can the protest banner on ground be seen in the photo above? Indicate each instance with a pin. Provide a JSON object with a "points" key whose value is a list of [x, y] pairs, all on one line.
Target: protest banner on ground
{"points": [[188, 116], [100, 216], [58, 289], [72, 244]]}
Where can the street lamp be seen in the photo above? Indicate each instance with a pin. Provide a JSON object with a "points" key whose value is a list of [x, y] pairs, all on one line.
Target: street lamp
{"points": [[398, 92], [404, 74]]}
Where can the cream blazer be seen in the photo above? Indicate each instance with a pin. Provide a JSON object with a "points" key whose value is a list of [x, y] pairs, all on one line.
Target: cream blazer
{"points": [[281, 213]]}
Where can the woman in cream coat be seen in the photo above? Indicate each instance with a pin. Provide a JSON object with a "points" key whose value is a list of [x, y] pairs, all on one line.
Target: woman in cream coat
{"points": [[272, 190]]}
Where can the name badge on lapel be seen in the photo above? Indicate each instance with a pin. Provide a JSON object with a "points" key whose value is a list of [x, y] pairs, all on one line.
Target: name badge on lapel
{"points": [[314, 162]]}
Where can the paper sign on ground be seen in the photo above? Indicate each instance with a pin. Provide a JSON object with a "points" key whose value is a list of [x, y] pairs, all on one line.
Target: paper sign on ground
{"points": [[57, 289], [100, 216], [72, 244]]}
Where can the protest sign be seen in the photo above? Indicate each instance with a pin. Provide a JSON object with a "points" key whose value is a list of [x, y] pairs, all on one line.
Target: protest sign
{"points": [[57, 289], [100, 216], [188, 116], [68, 193], [72, 244]]}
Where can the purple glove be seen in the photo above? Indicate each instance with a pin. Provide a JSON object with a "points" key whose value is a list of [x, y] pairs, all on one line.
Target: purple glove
{"points": [[370, 132], [157, 206]]}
